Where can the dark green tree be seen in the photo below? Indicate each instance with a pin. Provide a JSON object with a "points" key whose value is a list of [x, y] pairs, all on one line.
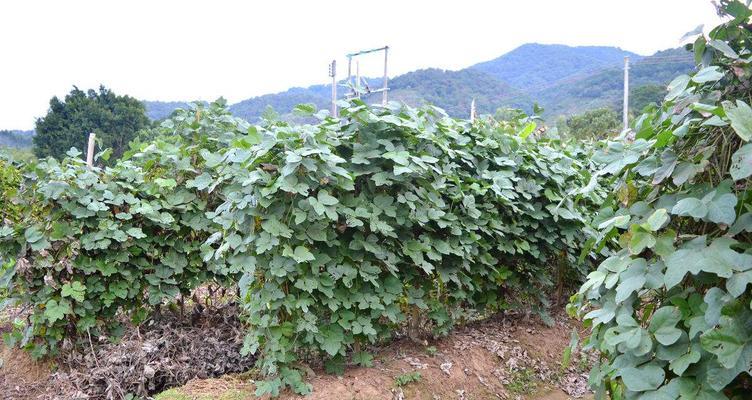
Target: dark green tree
{"points": [[594, 124], [115, 119], [643, 95]]}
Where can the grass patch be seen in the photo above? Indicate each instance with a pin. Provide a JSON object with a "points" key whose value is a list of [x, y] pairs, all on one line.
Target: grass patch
{"points": [[404, 379], [523, 381]]}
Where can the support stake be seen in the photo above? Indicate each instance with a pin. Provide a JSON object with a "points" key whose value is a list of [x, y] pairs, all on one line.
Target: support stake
{"points": [[90, 151]]}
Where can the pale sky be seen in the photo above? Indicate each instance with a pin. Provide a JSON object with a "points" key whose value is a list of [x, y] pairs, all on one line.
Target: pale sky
{"points": [[187, 49]]}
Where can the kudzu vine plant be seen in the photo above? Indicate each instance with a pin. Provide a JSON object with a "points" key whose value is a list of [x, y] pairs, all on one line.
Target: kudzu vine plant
{"points": [[670, 307], [338, 233], [352, 226]]}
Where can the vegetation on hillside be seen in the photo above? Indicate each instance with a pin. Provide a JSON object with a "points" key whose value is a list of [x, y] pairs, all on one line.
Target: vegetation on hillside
{"points": [[16, 139], [532, 65], [605, 88], [591, 125], [159, 110], [564, 80]]}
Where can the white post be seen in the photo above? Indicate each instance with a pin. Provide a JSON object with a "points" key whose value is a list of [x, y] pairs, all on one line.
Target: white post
{"points": [[333, 74], [386, 78], [626, 93], [472, 110], [90, 151], [357, 78]]}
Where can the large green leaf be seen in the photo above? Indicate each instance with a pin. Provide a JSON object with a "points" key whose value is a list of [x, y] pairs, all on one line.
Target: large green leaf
{"points": [[690, 207], [740, 116], [741, 163], [643, 378], [663, 325]]}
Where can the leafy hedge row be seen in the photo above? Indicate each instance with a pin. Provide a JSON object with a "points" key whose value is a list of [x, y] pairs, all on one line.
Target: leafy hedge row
{"points": [[670, 308], [338, 232], [92, 243], [350, 227]]}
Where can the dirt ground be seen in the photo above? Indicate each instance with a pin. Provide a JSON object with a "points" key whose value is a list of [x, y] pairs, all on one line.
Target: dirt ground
{"points": [[506, 357], [502, 358]]}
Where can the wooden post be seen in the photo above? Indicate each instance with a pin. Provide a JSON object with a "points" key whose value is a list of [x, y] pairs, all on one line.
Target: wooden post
{"points": [[90, 151]]}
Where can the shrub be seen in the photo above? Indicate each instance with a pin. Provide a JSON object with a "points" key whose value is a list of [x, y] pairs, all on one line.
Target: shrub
{"points": [[670, 307]]}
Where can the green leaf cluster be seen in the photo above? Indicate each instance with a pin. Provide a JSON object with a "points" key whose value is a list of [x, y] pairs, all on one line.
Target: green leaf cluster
{"points": [[338, 233], [670, 307], [352, 226], [85, 245]]}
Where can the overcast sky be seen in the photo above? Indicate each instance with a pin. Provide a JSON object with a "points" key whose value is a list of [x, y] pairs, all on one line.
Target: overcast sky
{"points": [[186, 50]]}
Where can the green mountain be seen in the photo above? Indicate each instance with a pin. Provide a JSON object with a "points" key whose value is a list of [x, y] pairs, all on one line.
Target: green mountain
{"points": [[605, 87], [157, 110], [533, 64], [454, 90], [563, 79]]}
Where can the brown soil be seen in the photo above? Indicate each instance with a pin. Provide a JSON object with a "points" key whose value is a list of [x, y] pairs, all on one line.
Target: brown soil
{"points": [[23, 378], [502, 358], [507, 357]]}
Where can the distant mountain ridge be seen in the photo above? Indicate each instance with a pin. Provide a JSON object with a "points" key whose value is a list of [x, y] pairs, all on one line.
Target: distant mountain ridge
{"points": [[536, 64], [563, 79], [16, 138]]}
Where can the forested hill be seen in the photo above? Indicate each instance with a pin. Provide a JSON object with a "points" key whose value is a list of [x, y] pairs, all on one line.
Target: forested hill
{"points": [[15, 138], [604, 87], [534, 64], [563, 79]]}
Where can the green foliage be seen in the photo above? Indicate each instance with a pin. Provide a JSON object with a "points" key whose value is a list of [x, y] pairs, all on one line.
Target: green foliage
{"points": [[341, 232], [670, 307], [115, 119], [523, 381], [644, 95], [95, 243], [10, 182], [349, 228], [407, 378], [593, 125]]}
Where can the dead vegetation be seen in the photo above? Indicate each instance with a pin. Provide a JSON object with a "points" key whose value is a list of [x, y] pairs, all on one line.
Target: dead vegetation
{"points": [[168, 351]]}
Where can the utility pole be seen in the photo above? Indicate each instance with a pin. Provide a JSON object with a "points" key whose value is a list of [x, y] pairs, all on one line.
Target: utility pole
{"points": [[333, 74], [472, 110], [385, 88], [626, 93]]}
